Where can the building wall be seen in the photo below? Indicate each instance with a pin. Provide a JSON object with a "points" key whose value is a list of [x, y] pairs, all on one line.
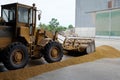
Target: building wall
{"points": [[108, 23], [116, 3], [83, 18], [85, 32], [101, 23], [84, 21]]}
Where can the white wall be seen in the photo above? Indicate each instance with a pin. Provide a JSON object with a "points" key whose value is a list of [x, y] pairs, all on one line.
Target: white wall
{"points": [[85, 31]]}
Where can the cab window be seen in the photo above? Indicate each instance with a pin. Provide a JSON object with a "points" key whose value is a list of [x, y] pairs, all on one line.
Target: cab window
{"points": [[8, 14], [22, 15]]}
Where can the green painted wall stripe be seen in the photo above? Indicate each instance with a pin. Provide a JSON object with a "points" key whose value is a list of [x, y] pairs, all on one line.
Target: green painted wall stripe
{"points": [[102, 23]]}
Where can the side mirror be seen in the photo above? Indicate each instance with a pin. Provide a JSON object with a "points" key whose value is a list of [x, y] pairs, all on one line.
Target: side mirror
{"points": [[39, 16]]}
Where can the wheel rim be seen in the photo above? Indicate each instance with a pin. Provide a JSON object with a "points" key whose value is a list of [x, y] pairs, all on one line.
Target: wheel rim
{"points": [[54, 52], [17, 56]]}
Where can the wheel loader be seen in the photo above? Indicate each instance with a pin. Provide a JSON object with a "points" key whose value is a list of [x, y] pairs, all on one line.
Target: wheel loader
{"points": [[21, 41]]}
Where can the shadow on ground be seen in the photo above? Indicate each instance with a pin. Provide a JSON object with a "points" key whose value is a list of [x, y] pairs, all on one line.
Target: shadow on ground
{"points": [[30, 64], [76, 53]]}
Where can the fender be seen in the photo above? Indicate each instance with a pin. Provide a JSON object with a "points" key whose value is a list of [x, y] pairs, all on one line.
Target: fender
{"points": [[44, 42]]}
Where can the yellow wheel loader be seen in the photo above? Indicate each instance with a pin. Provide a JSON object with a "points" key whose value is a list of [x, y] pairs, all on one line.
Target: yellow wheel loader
{"points": [[20, 40]]}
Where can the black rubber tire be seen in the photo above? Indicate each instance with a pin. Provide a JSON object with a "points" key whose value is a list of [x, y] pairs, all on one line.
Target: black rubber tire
{"points": [[47, 52], [8, 53]]}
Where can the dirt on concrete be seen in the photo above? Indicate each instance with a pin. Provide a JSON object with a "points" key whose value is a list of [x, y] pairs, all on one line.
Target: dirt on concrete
{"points": [[28, 72]]}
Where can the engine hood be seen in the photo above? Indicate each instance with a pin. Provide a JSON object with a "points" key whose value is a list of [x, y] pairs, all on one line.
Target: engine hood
{"points": [[5, 31]]}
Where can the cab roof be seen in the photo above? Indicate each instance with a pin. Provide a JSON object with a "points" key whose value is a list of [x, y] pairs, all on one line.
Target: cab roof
{"points": [[15, 5]]}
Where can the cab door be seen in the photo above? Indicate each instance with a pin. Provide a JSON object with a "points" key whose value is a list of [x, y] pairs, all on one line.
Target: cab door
{"points": [[32, 21]]}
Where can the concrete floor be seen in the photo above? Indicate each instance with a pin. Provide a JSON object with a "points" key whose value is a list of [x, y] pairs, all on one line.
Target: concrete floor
{"points": [[105, 69]]}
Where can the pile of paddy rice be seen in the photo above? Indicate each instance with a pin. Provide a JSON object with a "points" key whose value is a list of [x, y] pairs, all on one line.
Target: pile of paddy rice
{"points": [[23, 74]]}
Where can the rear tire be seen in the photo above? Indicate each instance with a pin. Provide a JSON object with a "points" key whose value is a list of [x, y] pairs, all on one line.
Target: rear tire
{"points": [[15, 56], [53, 52]]}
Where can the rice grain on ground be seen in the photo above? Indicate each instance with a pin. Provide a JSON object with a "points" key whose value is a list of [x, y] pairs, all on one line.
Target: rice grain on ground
{"points": [[23, 74]]}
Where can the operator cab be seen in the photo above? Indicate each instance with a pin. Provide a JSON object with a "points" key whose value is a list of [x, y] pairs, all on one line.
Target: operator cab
{"points": [[18, 15]]}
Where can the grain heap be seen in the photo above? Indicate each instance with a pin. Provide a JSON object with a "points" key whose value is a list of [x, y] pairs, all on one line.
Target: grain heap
{"points": [[23, 74]]}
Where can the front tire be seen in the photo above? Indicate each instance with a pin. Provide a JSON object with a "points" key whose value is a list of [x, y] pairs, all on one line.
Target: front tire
{"points": [[53, 52], [15, 56]]}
